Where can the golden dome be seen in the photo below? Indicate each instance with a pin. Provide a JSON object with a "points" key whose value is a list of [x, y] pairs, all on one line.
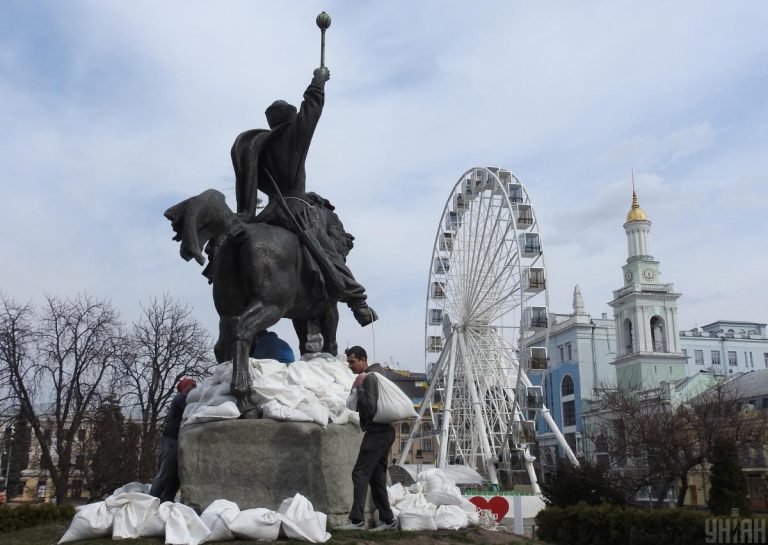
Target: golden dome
{"points": [[636, 213]]}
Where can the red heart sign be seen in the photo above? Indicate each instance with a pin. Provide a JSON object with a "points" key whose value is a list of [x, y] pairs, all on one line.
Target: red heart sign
{"points": [[497, 505]]}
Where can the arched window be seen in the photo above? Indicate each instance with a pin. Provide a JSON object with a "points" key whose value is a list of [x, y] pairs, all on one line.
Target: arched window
{"points": [[629, 343], [568, 401], [658, 335], [426, 427], [405, 428], [566, 388]]}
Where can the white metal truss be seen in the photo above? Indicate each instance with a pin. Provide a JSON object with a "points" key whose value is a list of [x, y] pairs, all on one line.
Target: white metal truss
{"points": [[486, 295]]}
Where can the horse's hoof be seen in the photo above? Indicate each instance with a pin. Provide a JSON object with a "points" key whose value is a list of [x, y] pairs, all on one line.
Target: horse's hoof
{"points": [[251, 413]]}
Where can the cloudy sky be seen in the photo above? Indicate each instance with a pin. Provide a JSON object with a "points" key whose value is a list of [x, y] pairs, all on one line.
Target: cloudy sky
{"points": [[113, 111]]}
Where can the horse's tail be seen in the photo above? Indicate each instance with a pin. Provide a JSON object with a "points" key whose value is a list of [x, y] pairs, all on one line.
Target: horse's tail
{"points": [[197, 220]]}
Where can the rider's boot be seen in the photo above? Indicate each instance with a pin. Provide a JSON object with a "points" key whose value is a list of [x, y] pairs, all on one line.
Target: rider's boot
{"points": [[363, 313]]}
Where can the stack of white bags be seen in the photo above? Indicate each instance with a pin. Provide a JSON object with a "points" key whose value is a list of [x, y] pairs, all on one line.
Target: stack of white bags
{"points": [[304, 391], [130, 515], [433, 502]]}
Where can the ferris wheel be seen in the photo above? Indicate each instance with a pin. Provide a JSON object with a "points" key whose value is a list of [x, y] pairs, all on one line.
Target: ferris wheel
{"points": [[486, 298]]}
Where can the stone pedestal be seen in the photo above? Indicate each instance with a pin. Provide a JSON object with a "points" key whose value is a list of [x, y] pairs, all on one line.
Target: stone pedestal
{"points": [[259, 463]]}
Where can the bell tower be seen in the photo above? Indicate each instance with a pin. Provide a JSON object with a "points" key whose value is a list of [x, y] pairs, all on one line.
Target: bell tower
{"points": [[645, 312]]}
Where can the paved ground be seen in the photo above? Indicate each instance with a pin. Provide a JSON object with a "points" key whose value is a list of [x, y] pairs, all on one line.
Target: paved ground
{"points": [[51, 533]]}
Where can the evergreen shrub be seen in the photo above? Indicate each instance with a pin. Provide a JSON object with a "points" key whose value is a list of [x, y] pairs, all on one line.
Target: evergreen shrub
{"points": [[28, 515], [608, 525]]}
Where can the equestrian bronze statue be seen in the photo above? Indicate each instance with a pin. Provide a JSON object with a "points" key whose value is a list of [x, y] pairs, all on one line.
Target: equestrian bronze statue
{"points": [[286, 261]]}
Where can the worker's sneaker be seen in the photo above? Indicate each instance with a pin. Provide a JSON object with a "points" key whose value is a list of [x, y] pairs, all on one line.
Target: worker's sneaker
{"points": [[384, 526], [351, 525]]}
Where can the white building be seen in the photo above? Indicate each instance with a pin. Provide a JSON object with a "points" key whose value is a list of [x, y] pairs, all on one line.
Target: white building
{"points": [[648, 351]]}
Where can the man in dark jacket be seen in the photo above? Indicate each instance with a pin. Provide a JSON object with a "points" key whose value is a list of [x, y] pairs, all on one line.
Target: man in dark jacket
{"points": [[371, 465], [166, 482]]}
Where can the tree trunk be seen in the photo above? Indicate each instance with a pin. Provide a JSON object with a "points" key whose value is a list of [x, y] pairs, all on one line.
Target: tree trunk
{"points": [[683, 489]]}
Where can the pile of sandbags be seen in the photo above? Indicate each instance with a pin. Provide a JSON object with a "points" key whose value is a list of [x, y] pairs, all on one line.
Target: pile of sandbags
{"points": [[433, 502], [130, 515], [304, 391]]}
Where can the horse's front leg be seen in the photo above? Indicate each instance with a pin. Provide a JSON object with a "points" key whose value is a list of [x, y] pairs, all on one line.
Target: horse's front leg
{"points": [[256, 317], [300, 327], [329, 322]]}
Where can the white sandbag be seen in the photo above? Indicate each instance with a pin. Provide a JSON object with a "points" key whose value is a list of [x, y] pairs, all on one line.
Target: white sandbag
{"points": [[439, 489], [334, 399], [351, 402], [133, 511], [262, 524], [90, 521], [277, 387], [222, 373], [309, 376], [155, 526], [344, 417], [354, 418], [182, 525], [207, 413], [340, 372], [449, 495], [217, 517], [142, 488], [188, 410], [393, 405], [316, 411], [450, 517], [301, 521], [194, 395], [395, 493], [262, 367], [416, 520], [473, 515], [282, 413], [419, 487], [412, 501]]}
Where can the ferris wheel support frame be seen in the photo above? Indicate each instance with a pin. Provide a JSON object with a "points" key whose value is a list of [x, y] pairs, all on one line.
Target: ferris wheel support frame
{"points": [[485, 445], [442, 453], [423, 409]]}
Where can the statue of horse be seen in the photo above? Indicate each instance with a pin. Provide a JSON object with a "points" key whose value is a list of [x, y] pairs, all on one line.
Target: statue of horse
{"points": [[259, 275]]}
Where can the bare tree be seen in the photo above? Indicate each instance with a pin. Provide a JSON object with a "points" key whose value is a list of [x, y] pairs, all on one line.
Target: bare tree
{"points": [[54, 367], [653, 443], [166, 344]]}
